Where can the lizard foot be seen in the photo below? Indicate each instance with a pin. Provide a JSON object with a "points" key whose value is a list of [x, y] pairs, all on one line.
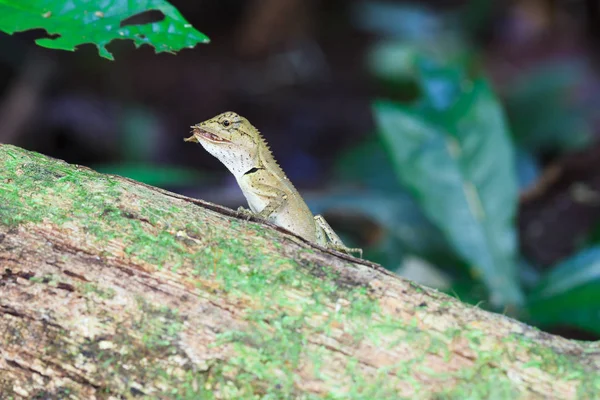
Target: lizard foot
{"points": [[244, 213], [326, 236], [347, 250]]}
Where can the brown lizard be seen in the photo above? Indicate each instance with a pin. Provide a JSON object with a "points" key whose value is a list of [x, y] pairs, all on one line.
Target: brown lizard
{"points": [[270, 194]]}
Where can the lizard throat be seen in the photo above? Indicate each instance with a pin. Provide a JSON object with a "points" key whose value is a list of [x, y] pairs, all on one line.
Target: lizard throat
{"points": [[209, 136]]}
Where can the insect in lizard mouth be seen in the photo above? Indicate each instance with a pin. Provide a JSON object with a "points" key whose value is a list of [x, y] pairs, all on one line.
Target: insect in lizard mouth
{"points": [[196, 131]]}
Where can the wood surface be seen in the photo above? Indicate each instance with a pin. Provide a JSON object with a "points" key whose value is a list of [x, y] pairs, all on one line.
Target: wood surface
{"points": [[113, 289]]}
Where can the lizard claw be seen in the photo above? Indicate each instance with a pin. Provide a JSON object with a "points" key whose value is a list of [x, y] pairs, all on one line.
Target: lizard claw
{"points": [[244, 213]]}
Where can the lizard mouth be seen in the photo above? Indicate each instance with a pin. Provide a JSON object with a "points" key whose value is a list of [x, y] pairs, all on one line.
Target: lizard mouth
{"points": [[211, 137]]}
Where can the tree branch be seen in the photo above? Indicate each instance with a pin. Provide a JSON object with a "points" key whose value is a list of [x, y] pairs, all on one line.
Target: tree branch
{"points": [[113, 288]]}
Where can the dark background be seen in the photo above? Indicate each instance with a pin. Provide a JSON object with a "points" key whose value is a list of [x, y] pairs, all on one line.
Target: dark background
{"points": [[304, 73]]}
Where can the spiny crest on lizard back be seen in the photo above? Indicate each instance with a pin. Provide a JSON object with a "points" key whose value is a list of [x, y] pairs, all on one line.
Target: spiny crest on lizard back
{"points": [[265, 152], [267, 155], [253, 131]]}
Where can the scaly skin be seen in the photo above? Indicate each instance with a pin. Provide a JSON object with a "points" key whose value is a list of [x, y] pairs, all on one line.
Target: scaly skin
{"points": [[270, 194]]}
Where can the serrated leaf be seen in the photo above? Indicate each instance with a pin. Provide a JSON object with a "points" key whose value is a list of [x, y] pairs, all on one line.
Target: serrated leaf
{"points": [[99, 22], [452, 151]]}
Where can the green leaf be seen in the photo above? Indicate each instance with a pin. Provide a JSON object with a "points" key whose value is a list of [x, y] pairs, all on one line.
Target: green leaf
{"points": [[587, 319], [99, 22], [453, 152], [371, 189], [573, 283], [569, 295]]}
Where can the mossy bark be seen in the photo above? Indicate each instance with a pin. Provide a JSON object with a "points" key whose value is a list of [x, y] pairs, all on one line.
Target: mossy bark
{"points": [[114, 289]]}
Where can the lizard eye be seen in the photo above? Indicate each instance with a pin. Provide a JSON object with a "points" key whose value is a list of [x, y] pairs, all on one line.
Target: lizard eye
{"points": [[226, 123]]}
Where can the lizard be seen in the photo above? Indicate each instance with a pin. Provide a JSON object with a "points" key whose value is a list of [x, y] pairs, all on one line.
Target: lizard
{"points": [[271, 196]]}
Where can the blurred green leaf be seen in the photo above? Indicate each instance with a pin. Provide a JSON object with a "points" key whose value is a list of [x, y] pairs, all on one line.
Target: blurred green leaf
{"points": [[569, 295], [452, 151], [371, 189], [470, 291], [529, 275], [80, 21], [574, 283], [162, 176], [586, 318], [376, 194], [543, 114]]}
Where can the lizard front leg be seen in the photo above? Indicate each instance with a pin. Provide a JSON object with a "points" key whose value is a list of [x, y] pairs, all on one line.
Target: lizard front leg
{"points": [[266, 198], [277, 199], [332, 240]]}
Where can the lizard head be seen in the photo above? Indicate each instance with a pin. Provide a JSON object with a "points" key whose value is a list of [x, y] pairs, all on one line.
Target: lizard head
{"points": [[230, 138]]}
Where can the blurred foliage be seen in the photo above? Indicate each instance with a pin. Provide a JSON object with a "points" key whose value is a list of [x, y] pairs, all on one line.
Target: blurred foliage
{"points": [[79, 21], [570, 293], [442, 172], [463, 180], [381, 198]]}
